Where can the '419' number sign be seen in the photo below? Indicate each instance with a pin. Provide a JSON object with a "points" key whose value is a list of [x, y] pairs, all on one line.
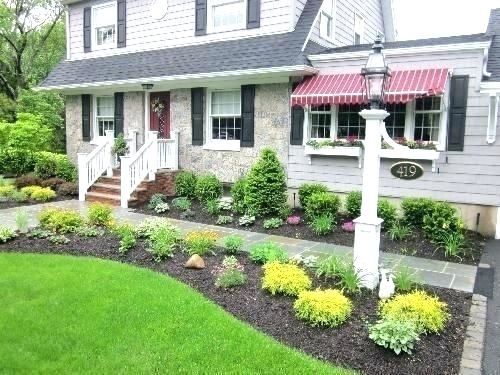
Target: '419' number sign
{"points": [[407, 170]]}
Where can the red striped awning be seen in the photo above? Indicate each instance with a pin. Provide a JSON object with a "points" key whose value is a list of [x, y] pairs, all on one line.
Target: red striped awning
{"points": [[348, 88]]}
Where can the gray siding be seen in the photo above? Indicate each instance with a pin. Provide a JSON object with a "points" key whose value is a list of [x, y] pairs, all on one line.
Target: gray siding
{"points": [[471, 176], [175, 29], [370, 10], [299, 6]]}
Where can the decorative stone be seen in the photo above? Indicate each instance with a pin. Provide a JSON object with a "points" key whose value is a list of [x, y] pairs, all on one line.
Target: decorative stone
{"points": [[195, 262]]}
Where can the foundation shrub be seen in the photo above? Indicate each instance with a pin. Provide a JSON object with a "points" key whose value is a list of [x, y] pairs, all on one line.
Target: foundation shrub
{"points": [[200, 242], [43, 194], [185, 184], [397, 335], [388, 212], [319, 204], [49, 164], [16, 161], [323, 307], [60, 220], [233, 244], [238, 195], [442, 218], [427, 312], [52, 183], [414, 210], [268, 252], [308, 189], [208, 187], [285, 278], [68, 189], [353, 204], [27, 180], [265, 188], [100, 214]]}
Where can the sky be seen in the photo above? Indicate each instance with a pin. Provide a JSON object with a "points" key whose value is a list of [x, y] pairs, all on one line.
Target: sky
{"points": [[417, 19]]}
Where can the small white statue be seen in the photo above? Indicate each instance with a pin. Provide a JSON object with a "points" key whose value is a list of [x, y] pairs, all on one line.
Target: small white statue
{"points": [[392, 287], [386, 288]]}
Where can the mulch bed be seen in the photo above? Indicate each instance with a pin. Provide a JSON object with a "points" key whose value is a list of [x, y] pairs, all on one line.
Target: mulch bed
{"points": [[415, 245], [30, 202], [346, 345]]}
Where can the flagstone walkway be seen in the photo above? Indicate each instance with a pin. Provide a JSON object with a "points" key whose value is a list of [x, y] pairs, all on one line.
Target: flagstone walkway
{"points": [[432, 272]]}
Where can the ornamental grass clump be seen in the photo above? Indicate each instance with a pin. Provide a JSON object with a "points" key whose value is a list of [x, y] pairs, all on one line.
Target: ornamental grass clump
{"points": [[427, 312], [200, 242], [405, 279], [285, 278], [323, 307], [230, 273], [268, 252]]}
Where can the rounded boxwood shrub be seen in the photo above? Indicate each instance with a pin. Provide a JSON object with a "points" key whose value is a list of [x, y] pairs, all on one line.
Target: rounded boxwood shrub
{"points": [[388, 212], [287, 278], [428, 313], [320, 204], [323, 307], [308, 189], [353, 204], [265, 187], [185, 184], [443, 217], [414, 210], [208, 187]]}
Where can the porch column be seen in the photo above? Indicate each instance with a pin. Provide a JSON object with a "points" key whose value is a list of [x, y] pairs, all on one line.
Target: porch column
{"points": [[146, 114]]}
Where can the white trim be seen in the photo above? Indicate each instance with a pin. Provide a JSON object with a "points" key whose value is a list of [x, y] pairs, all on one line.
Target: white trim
{"points": [[221, 145], [211, 29], [489, 88], [402, 51], [68, 34], [491, 132], [301, 69], [497, 226], [218, 144], [95, 46], [310, 31]]}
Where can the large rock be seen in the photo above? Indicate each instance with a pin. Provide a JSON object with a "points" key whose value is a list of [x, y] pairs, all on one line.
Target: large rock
{"points": [[195, 262]]}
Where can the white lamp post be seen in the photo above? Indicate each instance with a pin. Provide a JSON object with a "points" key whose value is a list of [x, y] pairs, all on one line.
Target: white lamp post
{"points": [[367, 230]]}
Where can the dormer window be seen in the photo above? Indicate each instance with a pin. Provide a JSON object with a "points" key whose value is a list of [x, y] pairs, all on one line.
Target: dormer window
{"points": [[225, 15], [104, 25], [326, 22]]}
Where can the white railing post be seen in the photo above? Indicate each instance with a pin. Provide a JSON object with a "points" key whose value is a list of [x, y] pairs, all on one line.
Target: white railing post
{"points": [[132, 141], [153, 155], [125, 181], [176, 151], [110, 140], [82, 175]]}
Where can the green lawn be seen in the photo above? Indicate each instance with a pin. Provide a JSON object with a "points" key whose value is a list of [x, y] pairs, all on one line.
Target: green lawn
{"points": [[61, 314]]}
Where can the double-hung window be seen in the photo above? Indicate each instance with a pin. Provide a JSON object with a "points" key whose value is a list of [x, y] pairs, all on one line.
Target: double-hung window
{"points": [[349, 123], [225, 116], [336, 122], [104, 25], [321, 121], [427, 119], [224, 15], [104, 114], [326, 22]]}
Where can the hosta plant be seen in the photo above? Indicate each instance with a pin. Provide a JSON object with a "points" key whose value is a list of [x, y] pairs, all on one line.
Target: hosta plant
{"points": [[272, 223], [6, 234], [224, 219], [395, 334]]}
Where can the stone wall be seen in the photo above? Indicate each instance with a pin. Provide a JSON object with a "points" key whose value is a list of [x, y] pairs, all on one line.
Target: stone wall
{"points": [[74, 141], [133, 107], [272, 129]]}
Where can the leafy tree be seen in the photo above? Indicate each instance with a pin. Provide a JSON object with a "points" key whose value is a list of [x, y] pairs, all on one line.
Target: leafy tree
{"points": [[7, 108], [27, 133], [31, 42]]}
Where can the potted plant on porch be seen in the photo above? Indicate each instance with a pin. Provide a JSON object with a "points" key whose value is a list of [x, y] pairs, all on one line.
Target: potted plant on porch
{"points": [[120, 147]]}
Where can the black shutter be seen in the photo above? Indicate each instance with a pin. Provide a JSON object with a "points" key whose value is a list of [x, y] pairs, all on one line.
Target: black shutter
{"points": [[86, 117], [458, 105], [253, 14], [200, 27], [121, 6], [247, 115], [197, 115], [118, 113], [297, 131], [87, 31]]}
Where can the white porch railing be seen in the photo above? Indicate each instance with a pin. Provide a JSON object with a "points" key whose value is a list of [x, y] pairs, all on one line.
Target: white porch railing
{"points": [[168, 152], [92, 165]]}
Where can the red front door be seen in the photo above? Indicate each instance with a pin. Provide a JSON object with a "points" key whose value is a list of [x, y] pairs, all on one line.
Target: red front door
{"points": [[159, 113]]}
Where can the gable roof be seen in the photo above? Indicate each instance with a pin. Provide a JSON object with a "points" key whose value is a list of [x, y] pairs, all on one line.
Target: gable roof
{"points": [[494, 54], [261, 52]]}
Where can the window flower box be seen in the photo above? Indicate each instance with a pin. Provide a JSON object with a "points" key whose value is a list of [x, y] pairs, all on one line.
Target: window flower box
{"points": [[350, 151]]}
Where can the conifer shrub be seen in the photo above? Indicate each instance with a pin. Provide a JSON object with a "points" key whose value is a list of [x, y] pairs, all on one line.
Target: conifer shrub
{"points": [[238, 195], [265, 187]]}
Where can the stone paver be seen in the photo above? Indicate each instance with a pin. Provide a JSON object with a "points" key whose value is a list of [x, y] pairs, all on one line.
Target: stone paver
{"points": [[432, 272]]}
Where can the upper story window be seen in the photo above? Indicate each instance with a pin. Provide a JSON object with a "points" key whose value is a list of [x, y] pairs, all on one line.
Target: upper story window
{"points": [[104, 114], [224, 15], [327, 18], [225, 115], [359, 29], [104, 25]]}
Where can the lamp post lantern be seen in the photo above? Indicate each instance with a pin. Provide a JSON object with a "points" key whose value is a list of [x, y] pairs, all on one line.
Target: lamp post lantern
{"points": [[367, 230]]}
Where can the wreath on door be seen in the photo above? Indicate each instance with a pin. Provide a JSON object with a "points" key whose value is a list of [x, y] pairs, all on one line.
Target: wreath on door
{"points": [[157, 106]]}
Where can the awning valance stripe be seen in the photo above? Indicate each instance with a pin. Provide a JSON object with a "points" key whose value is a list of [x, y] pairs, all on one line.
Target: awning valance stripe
{"points": [[348, 88]]}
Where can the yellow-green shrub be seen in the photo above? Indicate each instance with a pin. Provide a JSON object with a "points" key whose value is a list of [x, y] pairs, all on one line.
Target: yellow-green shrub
{"points": [[100, 214], [285, 278], [323, 307], [60, 220], [28, 190], [200, 241], [7, 190], [43, 194], [428, 313]]}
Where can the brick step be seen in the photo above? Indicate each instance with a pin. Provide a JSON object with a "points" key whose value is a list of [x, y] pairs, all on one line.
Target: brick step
{"points": [[111, 199], [103, 188], [117, 172], [109, 180]]}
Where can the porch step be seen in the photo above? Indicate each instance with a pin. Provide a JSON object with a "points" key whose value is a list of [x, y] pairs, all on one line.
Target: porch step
{"points": [[103, 188], [112, 199], [115, 180]]}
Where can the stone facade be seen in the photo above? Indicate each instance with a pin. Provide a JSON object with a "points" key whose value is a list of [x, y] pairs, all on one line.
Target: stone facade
{"points": [[74, 139], [133, 116], [271, 129]]}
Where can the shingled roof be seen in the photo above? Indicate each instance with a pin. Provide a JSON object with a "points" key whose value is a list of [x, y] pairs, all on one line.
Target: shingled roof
{"points": [[493, 31], [268, 51]]}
